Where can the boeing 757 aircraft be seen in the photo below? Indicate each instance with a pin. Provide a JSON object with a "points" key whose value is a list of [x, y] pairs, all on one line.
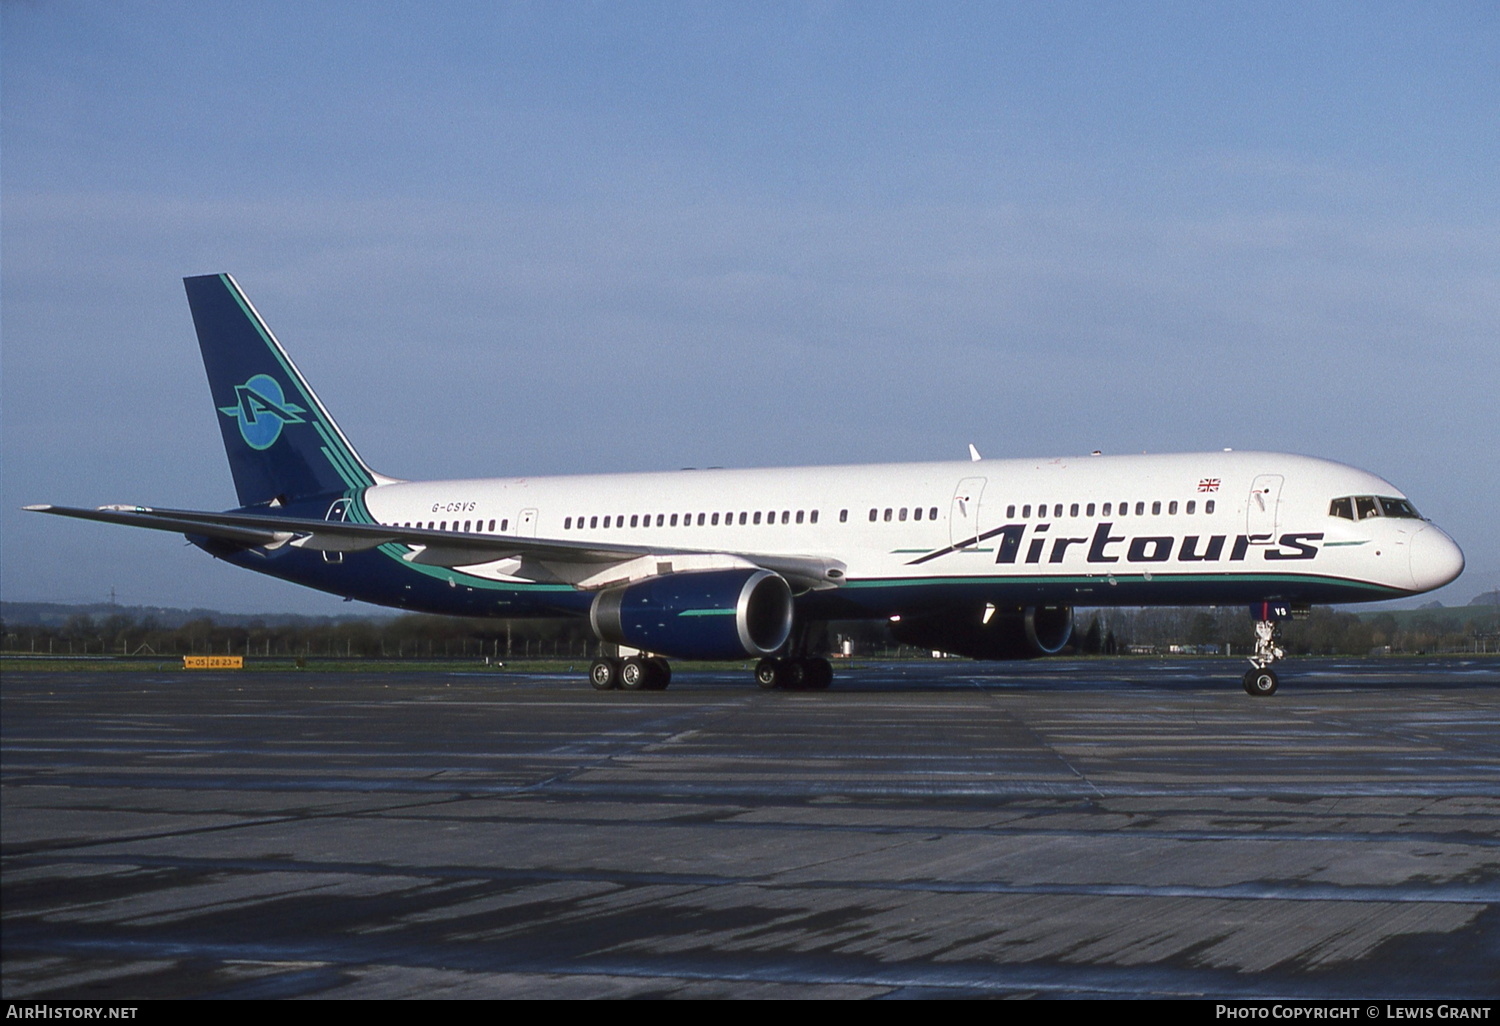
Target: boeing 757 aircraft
{"points": [[984, 559]]}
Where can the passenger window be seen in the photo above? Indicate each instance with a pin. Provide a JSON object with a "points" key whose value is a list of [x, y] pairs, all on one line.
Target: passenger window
{"points": [[606, 521], [1124, 509], [932, 513], [888, 514], [634, 520], [1010, 512], [742, 519], [1156, 508], [786, 516], [1089, 510], [1073, 510], [1364, 505], [901, 514], [715, 522], [843, 516], [799, 516], [916, 514], [757, 517], [1140, 509], [814, 516], [1191, 506], [593, 521], [1026, 511], [567, 523], [1172, 508], [443, 526], [1057, 510], [1208, 507], [1342, 508], [874, 515]]}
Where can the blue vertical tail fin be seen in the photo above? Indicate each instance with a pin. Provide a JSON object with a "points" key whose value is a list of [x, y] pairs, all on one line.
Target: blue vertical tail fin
{"points": [[281, 442]]}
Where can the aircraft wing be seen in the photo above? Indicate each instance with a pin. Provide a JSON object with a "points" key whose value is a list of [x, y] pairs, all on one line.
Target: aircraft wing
{"points": [[585, 564]]}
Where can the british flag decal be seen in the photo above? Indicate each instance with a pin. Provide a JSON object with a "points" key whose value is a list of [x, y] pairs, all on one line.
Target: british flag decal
{"points": [[1208, 484]]}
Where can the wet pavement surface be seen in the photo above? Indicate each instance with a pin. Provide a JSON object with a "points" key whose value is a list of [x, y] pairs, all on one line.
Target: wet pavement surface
{"points": [[1062, 828]]}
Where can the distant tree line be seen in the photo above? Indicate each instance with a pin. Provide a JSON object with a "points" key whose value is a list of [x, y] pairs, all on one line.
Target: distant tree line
{"points": [[1325, 632], [1096, 632], [401, 637]]}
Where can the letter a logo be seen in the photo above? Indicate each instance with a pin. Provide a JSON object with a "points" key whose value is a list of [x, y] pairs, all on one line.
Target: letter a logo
{"points": [[261, 410]]}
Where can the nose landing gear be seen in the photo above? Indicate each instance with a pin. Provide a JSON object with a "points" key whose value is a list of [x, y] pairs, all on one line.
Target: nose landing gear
{"points": [[1261, 680]]}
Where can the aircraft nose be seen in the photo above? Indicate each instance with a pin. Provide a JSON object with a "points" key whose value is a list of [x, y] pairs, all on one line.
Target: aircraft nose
{"points": [[1435, 559]]}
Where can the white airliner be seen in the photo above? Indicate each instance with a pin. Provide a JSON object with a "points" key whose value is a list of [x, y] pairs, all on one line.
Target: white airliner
{"points": [[980, 558]]}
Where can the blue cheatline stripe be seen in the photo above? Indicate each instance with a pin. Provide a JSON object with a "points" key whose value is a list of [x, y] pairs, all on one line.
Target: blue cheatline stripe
{"points": [[707, 612]]}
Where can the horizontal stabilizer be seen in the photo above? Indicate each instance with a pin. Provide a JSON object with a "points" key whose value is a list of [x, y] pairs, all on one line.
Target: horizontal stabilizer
{"points": [[140, 517]]}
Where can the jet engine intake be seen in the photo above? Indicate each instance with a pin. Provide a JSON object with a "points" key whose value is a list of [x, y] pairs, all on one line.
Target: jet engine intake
{"points": [[716, 614]]}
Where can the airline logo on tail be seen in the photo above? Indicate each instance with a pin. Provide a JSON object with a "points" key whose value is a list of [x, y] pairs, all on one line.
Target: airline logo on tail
{"points": [[261, 410]]}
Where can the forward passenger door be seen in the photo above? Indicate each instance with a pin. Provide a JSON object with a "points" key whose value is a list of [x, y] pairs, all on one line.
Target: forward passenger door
{"points": [[963, 512]]}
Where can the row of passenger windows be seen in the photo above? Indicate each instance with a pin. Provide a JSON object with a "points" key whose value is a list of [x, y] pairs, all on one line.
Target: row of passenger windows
{"points": [[1362, 507], [784, 516], [1366, 506], [900, 514], [1110, 510], [466, 527]]}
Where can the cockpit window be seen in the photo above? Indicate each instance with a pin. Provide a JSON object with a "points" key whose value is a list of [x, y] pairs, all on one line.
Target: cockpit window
{"points": [[1397, 508], [1366, 506]]}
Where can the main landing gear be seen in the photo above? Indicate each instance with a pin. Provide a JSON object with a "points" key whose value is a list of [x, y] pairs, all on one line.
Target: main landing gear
{"points": [[653, 673], [638, 673], [794, 674], [1260, 680]]}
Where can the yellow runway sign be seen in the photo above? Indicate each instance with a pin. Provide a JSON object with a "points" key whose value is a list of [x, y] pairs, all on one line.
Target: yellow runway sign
{"points": [[213, 662]]}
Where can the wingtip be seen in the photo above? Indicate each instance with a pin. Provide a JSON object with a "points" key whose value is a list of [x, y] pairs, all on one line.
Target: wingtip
{"points": [[41, 507]]}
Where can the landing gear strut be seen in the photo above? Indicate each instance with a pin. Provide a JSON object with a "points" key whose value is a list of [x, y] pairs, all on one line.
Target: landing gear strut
{"points": [[1261, 680]]}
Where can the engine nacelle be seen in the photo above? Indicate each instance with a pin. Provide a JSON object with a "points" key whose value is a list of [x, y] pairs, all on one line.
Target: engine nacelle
{"points": [[1017, 633], [712, 614]]}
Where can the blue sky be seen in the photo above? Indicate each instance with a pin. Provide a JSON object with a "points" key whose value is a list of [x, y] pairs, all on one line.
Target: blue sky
{"points": [[540, 238]]}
